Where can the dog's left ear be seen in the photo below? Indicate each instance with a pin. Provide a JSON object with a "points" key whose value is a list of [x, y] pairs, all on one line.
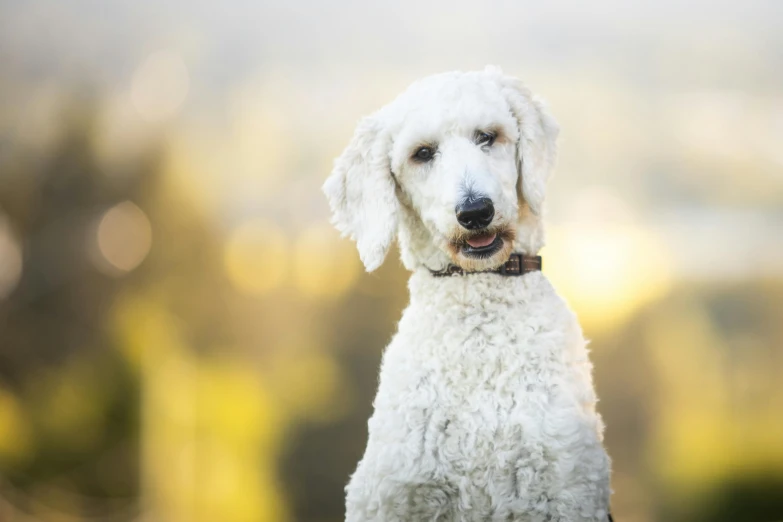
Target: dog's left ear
{"points": [[361, 192], [537, 144]]}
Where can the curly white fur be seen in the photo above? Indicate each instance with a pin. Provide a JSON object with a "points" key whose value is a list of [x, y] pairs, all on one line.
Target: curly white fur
{"points": [[485, 408]]}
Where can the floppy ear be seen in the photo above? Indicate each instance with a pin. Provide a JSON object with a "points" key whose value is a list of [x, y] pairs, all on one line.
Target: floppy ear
{"points": [[361, 193], [537, 144]]}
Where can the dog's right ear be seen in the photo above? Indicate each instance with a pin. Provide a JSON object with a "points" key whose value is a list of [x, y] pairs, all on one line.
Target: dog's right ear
{"points": [[361, 193]]}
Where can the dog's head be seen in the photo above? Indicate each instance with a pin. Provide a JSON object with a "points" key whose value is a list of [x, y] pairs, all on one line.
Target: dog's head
{"points": [[456, 167]]}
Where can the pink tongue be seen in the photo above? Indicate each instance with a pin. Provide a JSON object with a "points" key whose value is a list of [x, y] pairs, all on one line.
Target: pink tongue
{"points": [[482, 241]]}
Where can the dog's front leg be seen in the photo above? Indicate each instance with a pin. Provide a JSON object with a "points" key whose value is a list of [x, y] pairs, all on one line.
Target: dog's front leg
{"points": [[386, 497], [396, 479]]}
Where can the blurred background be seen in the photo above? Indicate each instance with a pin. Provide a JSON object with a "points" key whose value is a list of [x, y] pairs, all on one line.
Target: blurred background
{"points": [[171, 349]]}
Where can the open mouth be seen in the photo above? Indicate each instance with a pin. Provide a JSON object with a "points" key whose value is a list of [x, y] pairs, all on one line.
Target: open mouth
{"points": [[482, 245]]}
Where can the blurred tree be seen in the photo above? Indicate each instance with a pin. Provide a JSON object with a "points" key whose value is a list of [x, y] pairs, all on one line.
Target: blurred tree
{"points": [[689, 396], [76, 398], [746, 498]]}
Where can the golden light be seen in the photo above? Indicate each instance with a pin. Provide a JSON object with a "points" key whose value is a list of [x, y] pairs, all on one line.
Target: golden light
{"points": [[10, 259], [606, 272], [124, 239], [194, 169], [324, 264], [241, 432], [256, 257], [160, 86], [212, 416], [15, 440], [605, 264]]}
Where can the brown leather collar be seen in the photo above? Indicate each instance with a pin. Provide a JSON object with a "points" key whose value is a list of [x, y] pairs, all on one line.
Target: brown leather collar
{"points": [[517, 265]]}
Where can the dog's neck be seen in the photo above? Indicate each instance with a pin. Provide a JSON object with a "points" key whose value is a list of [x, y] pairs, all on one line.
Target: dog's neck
{"points": [[517, 265], [468, 294]]}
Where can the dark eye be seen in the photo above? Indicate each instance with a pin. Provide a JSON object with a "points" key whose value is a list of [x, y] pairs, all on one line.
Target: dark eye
{"points": [[485, 138], [424, 154]]}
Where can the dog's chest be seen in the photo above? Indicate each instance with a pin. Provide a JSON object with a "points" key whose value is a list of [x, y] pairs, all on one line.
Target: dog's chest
{"points": [[474, 386], [487, 422], [480, 415]]}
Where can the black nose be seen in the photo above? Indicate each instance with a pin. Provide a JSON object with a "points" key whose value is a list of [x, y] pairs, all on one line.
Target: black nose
{"points": [[475, 213]]}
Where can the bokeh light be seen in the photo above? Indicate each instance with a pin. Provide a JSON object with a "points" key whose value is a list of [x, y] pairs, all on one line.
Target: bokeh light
{"points": [[325, 264], [124, 238], [10, 259], [257, 257]]}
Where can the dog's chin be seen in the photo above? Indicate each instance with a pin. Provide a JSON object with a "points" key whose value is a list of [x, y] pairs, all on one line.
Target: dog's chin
{"points": [[482, 250]]}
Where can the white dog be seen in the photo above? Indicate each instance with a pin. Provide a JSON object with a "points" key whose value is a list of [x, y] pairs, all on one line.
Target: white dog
{"points": [[485, 409]]}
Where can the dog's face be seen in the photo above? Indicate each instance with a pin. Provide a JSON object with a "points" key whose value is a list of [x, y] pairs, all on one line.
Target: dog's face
{"points": [[455, 165], [454, 160]]}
